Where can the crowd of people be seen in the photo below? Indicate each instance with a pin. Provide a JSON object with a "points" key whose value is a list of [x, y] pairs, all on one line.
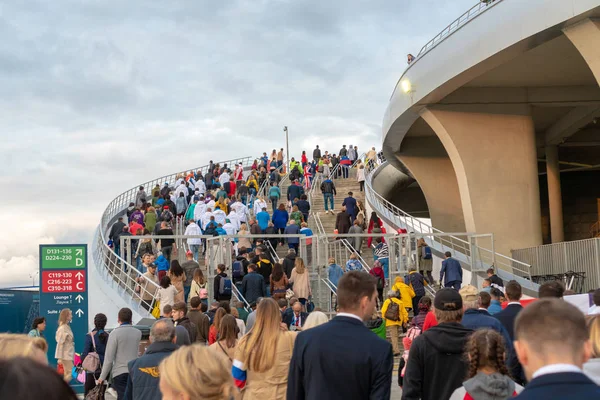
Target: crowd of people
{"points": [[463, 342], [547, 349]]}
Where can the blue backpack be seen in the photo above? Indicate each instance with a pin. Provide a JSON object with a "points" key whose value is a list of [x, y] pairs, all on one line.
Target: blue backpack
{"points": [[225, 286], [426, 253], [237, 270]]}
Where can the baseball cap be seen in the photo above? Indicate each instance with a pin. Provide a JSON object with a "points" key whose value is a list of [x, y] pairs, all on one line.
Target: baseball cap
{"points": [[469, 293], [448, 299]]}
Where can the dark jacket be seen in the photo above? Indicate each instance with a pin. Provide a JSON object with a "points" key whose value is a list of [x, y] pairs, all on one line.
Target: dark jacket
{"points": [[563, 385], [265, 269], [217, 283], [451, 271], [288, 318], [417, 281], [294, 192], [288, 264], [316, 153], [116, 229], [324, 361], [88, 347], [477, 319], [202, 323], [351, 208], [436, 366], [342, 222], [507, 318], [497, 280], [253, 287], [142, 382], [292, 230], [189, 326], [303, 206], [328, 187]]}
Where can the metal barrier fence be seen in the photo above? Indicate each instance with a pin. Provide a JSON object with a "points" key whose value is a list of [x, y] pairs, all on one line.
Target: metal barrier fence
{"points": [[565, 257], [125, 273]]}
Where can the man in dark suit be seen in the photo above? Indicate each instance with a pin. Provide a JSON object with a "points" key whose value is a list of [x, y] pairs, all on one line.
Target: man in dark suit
{"points": [[296, 319], [507, 317], [253, 285], [552, 343], [452, 270], [343, 359]]}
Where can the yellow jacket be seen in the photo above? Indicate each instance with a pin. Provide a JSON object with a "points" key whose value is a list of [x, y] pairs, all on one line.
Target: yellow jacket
{"points": [[403, 312], [406, 292]]}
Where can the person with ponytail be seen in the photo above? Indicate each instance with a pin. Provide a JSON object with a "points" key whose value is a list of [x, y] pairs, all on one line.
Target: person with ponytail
{"points": [[196, 373], [488, 377], [262, 356]]}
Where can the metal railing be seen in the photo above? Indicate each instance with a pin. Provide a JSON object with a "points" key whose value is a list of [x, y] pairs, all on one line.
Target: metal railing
{"points": [[272, 251], [469, 15], [351, 249], [475, 255], [561, 258]]}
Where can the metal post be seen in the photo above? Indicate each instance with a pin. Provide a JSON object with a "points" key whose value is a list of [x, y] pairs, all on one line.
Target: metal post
{"points": [[287, 149]]}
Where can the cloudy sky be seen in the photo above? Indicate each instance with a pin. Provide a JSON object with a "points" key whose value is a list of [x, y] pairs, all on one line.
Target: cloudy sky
{"points": [[99, 95]]}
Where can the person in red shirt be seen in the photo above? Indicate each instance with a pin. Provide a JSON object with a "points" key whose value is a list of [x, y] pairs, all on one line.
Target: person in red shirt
{"points": [[134, 227], [430, 321]]}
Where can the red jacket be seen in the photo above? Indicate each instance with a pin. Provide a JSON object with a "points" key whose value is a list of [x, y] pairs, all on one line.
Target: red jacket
{"points": [[378, 273], [134, 226], [430, 321]]}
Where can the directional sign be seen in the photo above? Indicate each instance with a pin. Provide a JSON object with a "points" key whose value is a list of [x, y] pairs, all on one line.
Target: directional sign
{"points": [[63, 274]]}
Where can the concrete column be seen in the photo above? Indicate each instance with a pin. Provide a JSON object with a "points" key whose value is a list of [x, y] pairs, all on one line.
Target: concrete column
{"points": [[585, 35], [429, 163], [495, 161], [554, 194]]}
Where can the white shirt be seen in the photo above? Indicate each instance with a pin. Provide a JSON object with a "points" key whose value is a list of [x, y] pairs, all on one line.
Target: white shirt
{"points": [[555, 369], [343, 314], [181, 189], [206, 219], [220, 216], [199, 210], [200, 186], [240, 210], [229, 228], [235, 221], [224, 178], [259, 205], [193, 230]]}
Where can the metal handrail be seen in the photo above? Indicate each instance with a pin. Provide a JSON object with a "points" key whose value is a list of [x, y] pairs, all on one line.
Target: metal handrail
{"points": [[272, 251], [403, 218], [468, 16], [239, 297]]}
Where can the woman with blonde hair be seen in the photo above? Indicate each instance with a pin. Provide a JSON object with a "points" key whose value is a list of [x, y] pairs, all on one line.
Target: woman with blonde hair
{"points": [[262, 357], [315, 318], [65, 343], [198, 287], [300, 281], [12, 346], [196, 373], [243, 239], [228, 337]]}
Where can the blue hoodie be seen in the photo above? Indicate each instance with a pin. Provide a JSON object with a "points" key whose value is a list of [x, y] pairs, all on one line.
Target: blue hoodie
{"points": [[162, 263], [335, 272]]}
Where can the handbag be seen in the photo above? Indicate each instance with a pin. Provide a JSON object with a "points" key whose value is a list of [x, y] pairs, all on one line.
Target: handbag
{"points": [[156, 310], [310, 306], [91, 363], [289, 293], [97, 393], [78, 373]]}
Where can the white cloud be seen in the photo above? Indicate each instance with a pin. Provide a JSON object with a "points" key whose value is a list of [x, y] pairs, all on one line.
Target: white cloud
{"points": [[99, 96]]}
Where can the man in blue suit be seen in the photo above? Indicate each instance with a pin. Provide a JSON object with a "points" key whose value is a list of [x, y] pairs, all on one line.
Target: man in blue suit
{"points": [[552, 343], [452, 271], [351, 208], [343, 359]]}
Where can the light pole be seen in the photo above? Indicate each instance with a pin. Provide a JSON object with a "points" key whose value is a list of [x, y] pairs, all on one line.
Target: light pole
{"points": [[287, 149]]}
